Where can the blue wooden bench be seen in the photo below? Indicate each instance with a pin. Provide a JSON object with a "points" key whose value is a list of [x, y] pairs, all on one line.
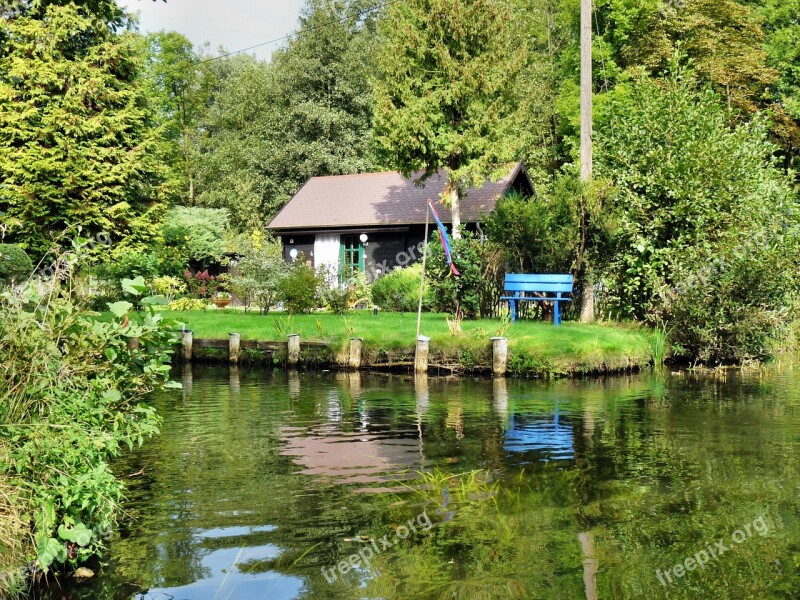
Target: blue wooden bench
{"points": [[517, 283]]}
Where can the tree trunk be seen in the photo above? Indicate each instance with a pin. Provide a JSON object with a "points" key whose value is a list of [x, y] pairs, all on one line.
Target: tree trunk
{"points": [[454, 196]]}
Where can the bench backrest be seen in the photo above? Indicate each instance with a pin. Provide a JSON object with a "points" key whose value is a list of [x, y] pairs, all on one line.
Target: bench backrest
{"points": [[522, 282]]}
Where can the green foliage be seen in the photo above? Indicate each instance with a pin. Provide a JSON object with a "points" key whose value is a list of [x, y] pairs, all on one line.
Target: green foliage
{"points": [[15, 264], [299, 289], [74, 397], [259, 273], [695, 192], [178, 88], [337, 299], [75, 139], [444, 99], [184, 304], [198, 234], [398, 290], [169, 287], [270, 126], [537, 235], [782, 29], [477, 291]]}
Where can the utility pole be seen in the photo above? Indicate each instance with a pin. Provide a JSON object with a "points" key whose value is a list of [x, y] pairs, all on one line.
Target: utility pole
{"points": [[587, 306]]}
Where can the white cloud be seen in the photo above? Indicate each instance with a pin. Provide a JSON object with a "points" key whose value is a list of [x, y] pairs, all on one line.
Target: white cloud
{"points": [[233, 24]]}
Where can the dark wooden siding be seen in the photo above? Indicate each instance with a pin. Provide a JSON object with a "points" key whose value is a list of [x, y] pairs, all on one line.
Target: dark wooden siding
{"points": [[304, 245]]}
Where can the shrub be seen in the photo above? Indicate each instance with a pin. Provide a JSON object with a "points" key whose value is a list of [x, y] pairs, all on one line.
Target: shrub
{"points": [[197, 234], [299, 289], [74, 392], [337, 299], [341, 298], [259, 274], [128, 263], [398, 290], [185, 304], [476, 292], [203, 285], [169, 287], [15, 264], [537, 235], [736, 306], [707, 225]]}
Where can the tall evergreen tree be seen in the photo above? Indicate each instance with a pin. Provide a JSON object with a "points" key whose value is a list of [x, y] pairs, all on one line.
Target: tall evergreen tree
{"points": [[445, 97], [75, 140]]}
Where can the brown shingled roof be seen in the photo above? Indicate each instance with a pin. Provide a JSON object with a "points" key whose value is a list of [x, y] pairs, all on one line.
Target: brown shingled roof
{"points": [[370, 199]]}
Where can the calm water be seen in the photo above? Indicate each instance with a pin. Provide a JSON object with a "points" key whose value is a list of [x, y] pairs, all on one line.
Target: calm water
{"points": [[261, 484]]}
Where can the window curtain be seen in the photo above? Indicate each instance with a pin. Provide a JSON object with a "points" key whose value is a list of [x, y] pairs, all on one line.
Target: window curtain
{"points": [[326, 254]]}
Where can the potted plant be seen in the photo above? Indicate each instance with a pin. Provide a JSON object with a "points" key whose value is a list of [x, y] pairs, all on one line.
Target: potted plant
{"points": [[221, 299]]}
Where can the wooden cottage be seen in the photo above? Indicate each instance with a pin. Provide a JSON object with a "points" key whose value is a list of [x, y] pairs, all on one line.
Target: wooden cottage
{"points": [[374, 222]]}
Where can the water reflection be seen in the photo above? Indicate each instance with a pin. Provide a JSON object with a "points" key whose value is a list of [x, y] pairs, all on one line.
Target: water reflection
{"points": [[258, 480]]}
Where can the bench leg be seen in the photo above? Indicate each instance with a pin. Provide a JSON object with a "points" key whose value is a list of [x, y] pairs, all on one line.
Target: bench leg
{"points": [[556, 312], [512, 305]]}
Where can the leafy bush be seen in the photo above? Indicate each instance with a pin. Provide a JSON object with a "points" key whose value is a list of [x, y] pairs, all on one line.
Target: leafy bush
{"points": [[337, 299], [203, 285], [398, 290], [196, 233], [169, 287], [15, 264], [74, 397], [536, 235], [738, 306], [341, 298], [299, 289], [707, 223], [126, 263], [259, 274], [477, 291], [185, 304]]}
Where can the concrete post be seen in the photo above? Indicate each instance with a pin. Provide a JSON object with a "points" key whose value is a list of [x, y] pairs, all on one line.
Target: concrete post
{"points": [[356, 347], [421, 355], [293, 352], [233, 348], [187, 339], [499, 356]]}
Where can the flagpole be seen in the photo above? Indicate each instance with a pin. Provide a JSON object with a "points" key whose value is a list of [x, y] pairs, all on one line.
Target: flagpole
{"points": [[422, 277]]}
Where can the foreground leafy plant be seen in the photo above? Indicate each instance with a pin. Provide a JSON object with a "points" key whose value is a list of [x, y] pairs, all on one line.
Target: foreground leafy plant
{"points": [[74, 391]]}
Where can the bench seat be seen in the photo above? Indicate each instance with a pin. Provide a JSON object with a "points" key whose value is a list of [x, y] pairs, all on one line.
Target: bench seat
{"points": [[517, 284]]}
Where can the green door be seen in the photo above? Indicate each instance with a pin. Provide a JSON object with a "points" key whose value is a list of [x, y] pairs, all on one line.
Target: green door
{"points": [[351, 257]]}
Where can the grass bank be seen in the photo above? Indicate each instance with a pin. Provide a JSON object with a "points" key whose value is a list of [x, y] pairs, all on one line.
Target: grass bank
{"points": [[535, 348]]}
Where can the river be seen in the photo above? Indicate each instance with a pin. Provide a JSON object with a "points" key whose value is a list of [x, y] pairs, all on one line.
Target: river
{"points": [[274, 485]]}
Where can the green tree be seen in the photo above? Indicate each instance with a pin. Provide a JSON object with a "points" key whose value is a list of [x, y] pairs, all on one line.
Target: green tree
{"points": [[707, 222], [75, 139], [445, 98], [271, 126], [781, 23], [177, 85], [197, 234]]}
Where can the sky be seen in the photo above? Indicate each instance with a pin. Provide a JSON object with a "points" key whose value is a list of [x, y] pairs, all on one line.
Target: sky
{"points": [[233, 24]]}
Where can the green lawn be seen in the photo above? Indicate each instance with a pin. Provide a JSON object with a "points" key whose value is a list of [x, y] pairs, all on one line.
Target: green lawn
{"points": [[535, 347]]}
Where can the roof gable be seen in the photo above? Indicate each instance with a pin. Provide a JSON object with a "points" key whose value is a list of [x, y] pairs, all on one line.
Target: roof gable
{"points": [[374, 199]]}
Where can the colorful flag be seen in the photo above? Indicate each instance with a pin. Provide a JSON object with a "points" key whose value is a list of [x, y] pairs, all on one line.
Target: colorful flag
{"points": [[445, 241]]}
